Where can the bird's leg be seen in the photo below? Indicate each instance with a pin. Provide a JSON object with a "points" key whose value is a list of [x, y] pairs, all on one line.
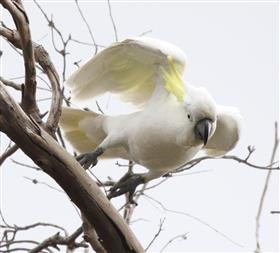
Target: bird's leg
{"points": [[127, 184], [88, 160]]}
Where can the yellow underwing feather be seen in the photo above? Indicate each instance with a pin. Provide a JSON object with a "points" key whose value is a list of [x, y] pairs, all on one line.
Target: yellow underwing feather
{"points": [[173, 80]]}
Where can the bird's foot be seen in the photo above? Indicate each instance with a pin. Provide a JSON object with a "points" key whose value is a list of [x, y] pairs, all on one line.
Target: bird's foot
{"points": [[127, 184], [88, 160]]}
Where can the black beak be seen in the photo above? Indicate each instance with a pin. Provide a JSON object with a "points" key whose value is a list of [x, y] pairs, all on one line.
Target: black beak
{"points": [[202, 129]]}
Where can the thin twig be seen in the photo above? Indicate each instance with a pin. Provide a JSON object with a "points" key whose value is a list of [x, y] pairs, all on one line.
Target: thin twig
{"points": [[35, 225], [145, 33], [99, 107], [35, 181], [2, 218], [91, 236], [22, 23], [112, 20], [86, 43], [195, 218], [87, 25], [42, 57], [196, 161], [156, 235], [60, 137], [25, 165], [129, 207], [182, 236], [260, 208], [10, 83], [8, 153], [57, 239]]}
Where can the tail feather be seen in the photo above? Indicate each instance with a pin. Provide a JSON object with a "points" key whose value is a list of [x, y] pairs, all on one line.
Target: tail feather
{"points": [[82, 129]]}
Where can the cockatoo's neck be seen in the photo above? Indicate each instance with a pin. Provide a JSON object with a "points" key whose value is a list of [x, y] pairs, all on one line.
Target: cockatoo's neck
{"points": [[161, 95]]}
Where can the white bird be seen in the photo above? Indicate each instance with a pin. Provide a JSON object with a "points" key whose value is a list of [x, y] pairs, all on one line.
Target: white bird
{"points": [[175, 120]]}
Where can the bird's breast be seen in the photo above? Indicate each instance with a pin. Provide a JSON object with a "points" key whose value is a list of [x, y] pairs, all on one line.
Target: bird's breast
{"points": [[153, 141]]}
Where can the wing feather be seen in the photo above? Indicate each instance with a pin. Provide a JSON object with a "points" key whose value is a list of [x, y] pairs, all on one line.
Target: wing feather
{"points": [[129, 69]]}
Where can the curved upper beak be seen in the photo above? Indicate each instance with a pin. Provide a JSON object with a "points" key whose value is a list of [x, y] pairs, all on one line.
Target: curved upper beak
{"points": [[202, 129]]}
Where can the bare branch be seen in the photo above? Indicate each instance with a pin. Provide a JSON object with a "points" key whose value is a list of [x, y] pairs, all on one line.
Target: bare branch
{"points": [[194, 218], [91, 236], [2, 218], [130, 207], [67, 172], [145, 33], [87, 25], [21, 21], [10, 232], [10, 243], [183, 236], [38, 224], [10, 83], [42, 57], [63, 52], [56, 240], [196, 161], [60, 137], [99, 107], [17, 249], [64, 42], [35, 181], [112, 20], [25, 165], [157, 234], [86, 43], [8, 153], [263, 195], [251, 150]]}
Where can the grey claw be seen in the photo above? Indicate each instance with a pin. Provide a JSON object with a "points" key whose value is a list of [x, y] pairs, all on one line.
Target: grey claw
{"points": [[127, 184], [88, 160]]}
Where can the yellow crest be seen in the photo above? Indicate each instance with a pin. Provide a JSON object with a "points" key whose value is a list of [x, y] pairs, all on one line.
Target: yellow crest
{"points": [[173, 80]]}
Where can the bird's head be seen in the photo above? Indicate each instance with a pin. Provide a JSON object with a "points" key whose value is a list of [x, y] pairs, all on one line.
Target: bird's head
{"points": [[201, 114]]}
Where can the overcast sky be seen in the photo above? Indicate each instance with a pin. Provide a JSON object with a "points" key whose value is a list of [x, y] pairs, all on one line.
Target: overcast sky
{"points": [[232, 51]]}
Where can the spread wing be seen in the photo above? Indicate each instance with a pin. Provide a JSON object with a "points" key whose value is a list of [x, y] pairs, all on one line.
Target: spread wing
{"points": [[130, 69], [227, 131]]}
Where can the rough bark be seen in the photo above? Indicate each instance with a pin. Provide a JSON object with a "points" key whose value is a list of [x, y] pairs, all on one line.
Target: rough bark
{"points": [[36, 143], [23, 125], [21, 21]]}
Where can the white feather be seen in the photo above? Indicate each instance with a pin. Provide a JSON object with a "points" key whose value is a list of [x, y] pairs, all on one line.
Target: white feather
{"points": [[162, 135], [126, 68], [227, 131]]}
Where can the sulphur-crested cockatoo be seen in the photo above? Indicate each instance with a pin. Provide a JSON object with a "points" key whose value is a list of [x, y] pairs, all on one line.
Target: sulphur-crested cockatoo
{"points": [[174, 123]]}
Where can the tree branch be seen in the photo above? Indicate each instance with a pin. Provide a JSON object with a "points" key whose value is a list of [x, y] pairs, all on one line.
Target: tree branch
{"points": [[42, 57], [260, 208], [114, 234], [157, 234], [21, 21], [11, 84], [91, 236], [183, 236], [195, 161], [87, 25], [57, 239], [112, 20], [8, 153]]}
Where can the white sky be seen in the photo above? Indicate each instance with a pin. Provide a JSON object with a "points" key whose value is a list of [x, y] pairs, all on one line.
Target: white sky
{"points": [[232, 50]]}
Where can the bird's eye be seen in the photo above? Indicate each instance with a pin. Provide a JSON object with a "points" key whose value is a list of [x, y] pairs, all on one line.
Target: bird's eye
{"points": [[189, 116]]}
